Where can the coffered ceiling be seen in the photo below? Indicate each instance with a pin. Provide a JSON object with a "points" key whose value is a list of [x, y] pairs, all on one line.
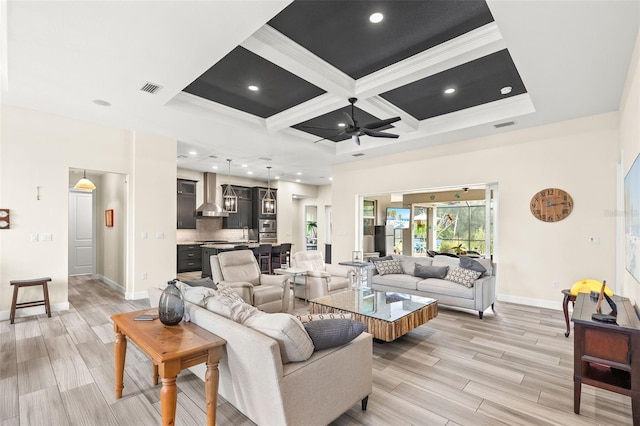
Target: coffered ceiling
{"points": [[450, 70]]}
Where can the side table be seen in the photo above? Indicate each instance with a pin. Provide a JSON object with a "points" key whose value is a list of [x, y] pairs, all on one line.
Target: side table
{"points": [[172, 349], [295, 272], [361, 271], [568, 297]]}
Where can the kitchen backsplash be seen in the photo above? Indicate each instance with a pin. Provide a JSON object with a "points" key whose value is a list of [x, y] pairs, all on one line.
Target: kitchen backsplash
{"points": [[209, 230]]}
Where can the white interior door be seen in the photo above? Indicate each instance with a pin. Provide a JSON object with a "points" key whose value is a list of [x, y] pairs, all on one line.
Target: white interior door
{"points": [[81, 228]]}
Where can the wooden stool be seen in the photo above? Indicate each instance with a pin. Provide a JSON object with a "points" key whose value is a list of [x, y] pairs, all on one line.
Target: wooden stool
{"points": [[568, 297], [28, 283]]}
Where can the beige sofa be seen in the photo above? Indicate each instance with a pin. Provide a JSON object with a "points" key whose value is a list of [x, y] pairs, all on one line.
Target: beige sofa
{"points": [[239, 269], [321, 278], [478, 297], [255, 381]]}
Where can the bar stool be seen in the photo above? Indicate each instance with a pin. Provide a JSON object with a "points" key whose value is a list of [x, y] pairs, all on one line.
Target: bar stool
{"points": [[29, 283], [264, 257], [280, 255]]}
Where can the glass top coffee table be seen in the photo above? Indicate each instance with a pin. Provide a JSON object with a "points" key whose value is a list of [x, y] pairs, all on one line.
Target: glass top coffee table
{"points": [[388, 315]]}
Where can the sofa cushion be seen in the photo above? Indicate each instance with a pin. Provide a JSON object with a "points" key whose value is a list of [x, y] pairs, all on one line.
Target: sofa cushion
{"points": [[385, 267], [435, 287], [293, 340], [333, 332], [401, 281], [469, 263], [428, 271], [462, 276]]}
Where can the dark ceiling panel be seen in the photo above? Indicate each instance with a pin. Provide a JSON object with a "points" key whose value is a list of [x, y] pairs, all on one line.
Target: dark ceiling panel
{"points": [[327, 125], [476, 83], [226, 83], [340, 31]]}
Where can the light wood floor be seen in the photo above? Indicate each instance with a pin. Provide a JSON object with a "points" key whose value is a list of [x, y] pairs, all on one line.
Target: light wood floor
{"points": [[512, 368]]}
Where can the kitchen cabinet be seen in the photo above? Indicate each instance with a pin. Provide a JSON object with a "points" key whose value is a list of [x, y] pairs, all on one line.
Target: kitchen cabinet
{"points": [[258, 194], [186, 204], [243, 217], [189, 258]]}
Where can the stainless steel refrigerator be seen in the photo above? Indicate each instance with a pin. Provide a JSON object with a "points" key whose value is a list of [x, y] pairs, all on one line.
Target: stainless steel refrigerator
{"points": [[383, 239]]}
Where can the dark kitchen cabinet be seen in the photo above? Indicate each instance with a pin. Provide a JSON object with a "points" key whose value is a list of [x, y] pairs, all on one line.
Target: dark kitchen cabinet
{"points": [[189, 258], [243, 217], [186, 204]]}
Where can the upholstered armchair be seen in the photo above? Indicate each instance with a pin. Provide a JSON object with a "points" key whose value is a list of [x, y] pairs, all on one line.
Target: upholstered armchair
{"points": [[239, 270], [322, 278]]}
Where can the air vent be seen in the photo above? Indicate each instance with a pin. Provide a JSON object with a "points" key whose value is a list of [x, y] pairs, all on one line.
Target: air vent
{"points": [[359, 154], [150, 87], [264, 158], [182, 156], [213, 156], [505, 124]]}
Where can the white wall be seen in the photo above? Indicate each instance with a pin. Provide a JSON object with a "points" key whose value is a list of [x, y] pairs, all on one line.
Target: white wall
{"points": [[37, 149], [111, 242], [578, 156], [630, 149]]}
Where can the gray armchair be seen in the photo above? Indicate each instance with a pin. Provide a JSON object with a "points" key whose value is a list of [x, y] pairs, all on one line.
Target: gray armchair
{"points": [[322, 278], [239, 270]]}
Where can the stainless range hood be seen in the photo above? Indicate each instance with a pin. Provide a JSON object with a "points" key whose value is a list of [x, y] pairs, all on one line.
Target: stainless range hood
{"points": [[210, 208]]}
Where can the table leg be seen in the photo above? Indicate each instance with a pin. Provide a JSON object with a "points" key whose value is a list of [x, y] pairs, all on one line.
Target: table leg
{"points": [[577, 390], [565, 309], [211, 384], [120, 353], [154, 373], [635, 407], [169, 392]]}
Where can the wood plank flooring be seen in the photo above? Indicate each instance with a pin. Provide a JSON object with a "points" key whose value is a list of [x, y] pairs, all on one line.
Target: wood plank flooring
{"points": [[514, 367]]}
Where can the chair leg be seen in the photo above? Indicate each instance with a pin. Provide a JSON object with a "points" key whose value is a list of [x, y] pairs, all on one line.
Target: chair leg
{"points": [[480, 314], [47, 307], [12, 315], [364, 403]]}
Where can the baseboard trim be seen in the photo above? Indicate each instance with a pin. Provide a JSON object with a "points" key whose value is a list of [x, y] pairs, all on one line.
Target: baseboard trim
{"points": [[35, 310], [110, 283], [136, 295], [538, 303]]}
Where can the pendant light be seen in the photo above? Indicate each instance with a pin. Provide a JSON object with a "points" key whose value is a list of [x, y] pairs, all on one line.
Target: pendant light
{"points": [[229, 197], [85, 183], [269, 199]]}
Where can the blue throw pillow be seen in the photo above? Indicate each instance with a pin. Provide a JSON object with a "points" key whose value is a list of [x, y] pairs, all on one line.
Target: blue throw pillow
{"points": [[205, 282], [428, 271], [333, 332]]}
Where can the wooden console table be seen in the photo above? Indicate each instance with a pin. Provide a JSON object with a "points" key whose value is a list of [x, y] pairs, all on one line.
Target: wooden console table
{"points": [[605, 355], [171, 349]]}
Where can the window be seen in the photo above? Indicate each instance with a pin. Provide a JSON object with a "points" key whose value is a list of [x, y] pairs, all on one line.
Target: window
{"points": [[460, 227], [369, 216]]}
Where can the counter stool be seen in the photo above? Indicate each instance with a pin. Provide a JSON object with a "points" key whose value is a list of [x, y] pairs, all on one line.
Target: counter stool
{"points": [[28, 283], [264, 258]]}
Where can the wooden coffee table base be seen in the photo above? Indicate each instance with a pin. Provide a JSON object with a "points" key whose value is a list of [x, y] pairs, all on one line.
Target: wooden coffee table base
{"points": [[387, 331], [171, 350]]}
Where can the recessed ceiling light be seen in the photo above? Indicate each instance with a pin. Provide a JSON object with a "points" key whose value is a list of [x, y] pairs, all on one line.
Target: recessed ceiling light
{"points": [[330, 178], [341, 124], [506, 90], [449, 90], [193, 153], [214, 167], [253, 88], [245, 165], [101, 102], [277, 177], [249, 172], [299, 173], [376, 17], [297, 180]]}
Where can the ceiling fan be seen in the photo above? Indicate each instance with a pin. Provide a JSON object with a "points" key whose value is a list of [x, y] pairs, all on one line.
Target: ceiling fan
{"points": [[371, 129]]}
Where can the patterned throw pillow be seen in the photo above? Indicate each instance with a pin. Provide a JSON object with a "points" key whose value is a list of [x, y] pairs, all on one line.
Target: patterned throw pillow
{"points": [[385, 267], [466, 277], [304, 318]]}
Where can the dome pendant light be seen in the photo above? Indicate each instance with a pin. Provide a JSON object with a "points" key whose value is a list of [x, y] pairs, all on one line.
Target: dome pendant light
{"points": [[269, 199], [84, 183], [229, 197]]}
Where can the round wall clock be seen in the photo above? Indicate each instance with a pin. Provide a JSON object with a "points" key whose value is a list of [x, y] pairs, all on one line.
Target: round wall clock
{"points": [[551, 205]]}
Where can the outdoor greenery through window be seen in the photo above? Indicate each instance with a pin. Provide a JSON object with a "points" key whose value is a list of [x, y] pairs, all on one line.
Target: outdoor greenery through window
{"points": [[459, 228]]}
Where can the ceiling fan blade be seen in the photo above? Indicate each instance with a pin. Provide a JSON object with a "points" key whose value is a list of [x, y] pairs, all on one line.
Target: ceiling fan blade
{"points": [[329, 138], [377, 134], [355, 139], [319, 128], [350, 122], [381, 123]]}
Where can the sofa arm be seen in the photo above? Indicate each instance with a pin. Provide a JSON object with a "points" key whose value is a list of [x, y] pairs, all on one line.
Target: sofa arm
{"points": [[278, 281], [485, 292], [338, 270], [318, 274]]}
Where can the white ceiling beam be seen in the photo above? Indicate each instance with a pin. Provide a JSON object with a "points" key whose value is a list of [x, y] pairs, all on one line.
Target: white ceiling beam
{"points": [[381, 108], [305, 111], [189, 104], [465, 48]]}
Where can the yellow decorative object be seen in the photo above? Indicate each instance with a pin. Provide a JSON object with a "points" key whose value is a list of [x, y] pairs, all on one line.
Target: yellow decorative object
{"points": [[587, 286]]}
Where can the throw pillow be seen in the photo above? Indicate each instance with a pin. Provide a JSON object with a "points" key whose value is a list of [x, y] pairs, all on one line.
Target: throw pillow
{"points": [[227, 303], [380, 259], [195, 295], [319, 317], [204, 282], [469, 263], [385, 267], [462, 276], [294, 342], [426, 271], [333, 332]]}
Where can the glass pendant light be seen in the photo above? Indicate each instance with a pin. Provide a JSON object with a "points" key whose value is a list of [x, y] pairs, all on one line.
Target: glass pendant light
{"points": [[269, 199], [85, 183], [229, 197]]}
